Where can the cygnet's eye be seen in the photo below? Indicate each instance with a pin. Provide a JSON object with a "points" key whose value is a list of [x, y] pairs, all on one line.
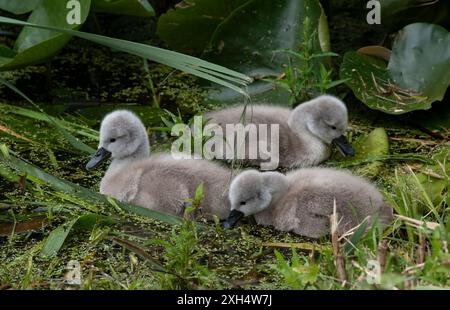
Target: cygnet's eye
{"points": [[333, 127], [112, 140], [242, 203]]}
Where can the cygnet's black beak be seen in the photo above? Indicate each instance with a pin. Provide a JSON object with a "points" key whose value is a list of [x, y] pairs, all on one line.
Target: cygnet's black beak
{"points": [[101, 155], [343, 146], [232, 219]]}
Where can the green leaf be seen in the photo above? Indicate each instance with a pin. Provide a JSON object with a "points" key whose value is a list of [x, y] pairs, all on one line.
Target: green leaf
{"points": [[36, 45], [124, 7], [230, 79], [433, 187], [369, 80], [414, 78], [89, 221], [431, 181], [244, 35], [56, 238], [189, 27], [18, 6], [6, 52], [376, 143], [247, 40], [349, 246], [199, 194], [420, 60]]}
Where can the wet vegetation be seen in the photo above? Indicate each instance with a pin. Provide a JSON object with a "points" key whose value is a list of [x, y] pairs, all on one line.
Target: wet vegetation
{"points": [[53, 221]]}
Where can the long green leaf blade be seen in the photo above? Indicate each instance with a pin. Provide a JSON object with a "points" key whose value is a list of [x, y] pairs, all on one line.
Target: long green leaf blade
{"points": [[179, 61], [79, 191]]}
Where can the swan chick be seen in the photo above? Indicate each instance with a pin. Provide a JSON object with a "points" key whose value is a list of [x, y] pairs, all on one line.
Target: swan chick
{"points": [[302, 201], [305, 133], [158, 182]]}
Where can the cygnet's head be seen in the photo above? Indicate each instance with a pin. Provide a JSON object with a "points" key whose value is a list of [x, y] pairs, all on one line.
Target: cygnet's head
{"points": [[122, 135], [252, 192], [326, 118]]}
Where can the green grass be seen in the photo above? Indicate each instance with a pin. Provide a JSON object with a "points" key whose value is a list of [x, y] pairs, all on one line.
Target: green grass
{"points": [[132, 251]]}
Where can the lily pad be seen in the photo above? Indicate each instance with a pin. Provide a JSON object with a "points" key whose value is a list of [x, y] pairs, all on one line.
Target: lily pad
{"points": [[420, 60], [414, 77], [246, 36], [250, 41], [35, 45], [189, 27]]}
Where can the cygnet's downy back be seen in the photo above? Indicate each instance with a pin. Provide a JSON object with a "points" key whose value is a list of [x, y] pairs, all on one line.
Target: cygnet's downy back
{"points": [[303, 200], [157, 182], [305, 133]]}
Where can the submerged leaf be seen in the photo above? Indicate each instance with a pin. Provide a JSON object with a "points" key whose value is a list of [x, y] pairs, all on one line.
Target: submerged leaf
{"points": [[418, 72]]}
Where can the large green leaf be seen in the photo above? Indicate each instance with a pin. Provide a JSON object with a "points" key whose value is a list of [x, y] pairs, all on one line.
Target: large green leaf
{"points": [[124, 7], [189, 27], [212, 72], [249, 41], [35, 45], [371, 83], [56, 239], [18, 7], [420, 60], [418, 72]]}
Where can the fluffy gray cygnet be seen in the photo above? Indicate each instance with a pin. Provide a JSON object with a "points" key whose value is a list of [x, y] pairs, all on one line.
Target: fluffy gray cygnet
{"points": [[302, 201], [157, 182], [305, 133]]}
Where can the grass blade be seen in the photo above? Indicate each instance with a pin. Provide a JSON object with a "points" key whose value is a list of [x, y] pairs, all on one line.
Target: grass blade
{"points": [[173, 59], [56, 239], [69, 137], [79, 191], [141, 252]]}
